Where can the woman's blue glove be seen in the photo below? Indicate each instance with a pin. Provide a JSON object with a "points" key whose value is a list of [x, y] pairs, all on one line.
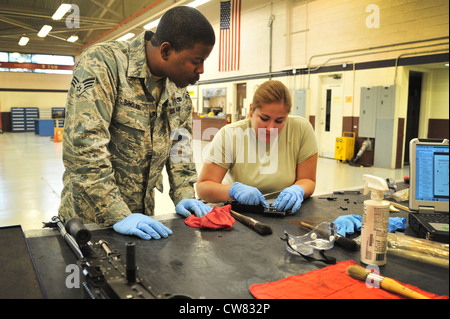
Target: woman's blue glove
{"points": [[247, 195], [186, 206], [348, 224], [290, 198], [396, 223], [142, 226]]}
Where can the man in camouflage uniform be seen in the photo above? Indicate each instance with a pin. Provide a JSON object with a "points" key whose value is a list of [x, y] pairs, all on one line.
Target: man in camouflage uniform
{"points": [[128, 115]]}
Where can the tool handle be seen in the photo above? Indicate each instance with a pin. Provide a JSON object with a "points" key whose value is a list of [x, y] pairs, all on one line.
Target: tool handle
{"points": [[393, 286], [347, 243], [242, 218], [406, 209]]}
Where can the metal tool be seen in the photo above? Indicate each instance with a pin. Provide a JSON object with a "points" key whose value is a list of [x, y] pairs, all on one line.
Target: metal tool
{"points": [[272, 193]]}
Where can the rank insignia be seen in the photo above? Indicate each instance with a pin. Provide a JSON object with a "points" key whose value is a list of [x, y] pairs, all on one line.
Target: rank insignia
{"points": [[81, 86]]}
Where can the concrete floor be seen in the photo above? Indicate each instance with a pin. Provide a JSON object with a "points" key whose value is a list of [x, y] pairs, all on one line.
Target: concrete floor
{"points": [[31, 179]]}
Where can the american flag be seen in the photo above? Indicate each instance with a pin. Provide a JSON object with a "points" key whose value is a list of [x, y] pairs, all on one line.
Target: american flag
{"points": [[230, 35]]}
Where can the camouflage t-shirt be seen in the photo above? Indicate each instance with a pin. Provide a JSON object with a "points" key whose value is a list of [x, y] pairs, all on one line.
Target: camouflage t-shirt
{"points": [[117, 139]]}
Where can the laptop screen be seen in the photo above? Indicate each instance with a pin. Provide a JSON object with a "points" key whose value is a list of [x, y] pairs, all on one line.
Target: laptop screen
{"points": [[432, 181], [429, 169]]}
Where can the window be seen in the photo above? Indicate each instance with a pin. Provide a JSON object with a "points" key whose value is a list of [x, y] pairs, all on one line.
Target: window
{"points": [[328, 112], [19, 57], [52, 59], [39, 63], [3, 57]]}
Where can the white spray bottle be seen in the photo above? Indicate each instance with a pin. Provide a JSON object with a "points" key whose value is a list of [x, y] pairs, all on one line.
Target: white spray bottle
{"points": [[375, 223]]}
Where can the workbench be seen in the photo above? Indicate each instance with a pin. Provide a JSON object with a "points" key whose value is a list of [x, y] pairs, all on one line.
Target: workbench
{"points": [[223, 264]]}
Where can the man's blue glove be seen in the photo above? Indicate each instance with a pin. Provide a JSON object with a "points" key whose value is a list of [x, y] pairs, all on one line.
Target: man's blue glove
{"points": [[186, 206], [396, 223], [142, 226], [247, 195], [290, 198], [348, 224]]}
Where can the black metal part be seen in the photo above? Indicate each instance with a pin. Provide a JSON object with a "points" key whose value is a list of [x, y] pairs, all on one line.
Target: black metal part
{"points": [[105, 274], [76, 228], [258, 209], [131, 262]]}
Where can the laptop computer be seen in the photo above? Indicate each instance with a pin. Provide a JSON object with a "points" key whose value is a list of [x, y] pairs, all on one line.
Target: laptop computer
{"points": [[429, 188]]}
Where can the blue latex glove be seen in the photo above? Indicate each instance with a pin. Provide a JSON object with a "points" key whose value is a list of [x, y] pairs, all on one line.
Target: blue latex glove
{"points": [[247, 195], [186, 206], [142, 226], [396, 223], [290, 198], [348, 224]]}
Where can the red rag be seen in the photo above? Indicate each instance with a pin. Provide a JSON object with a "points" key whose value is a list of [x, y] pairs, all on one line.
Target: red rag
{"points": [[218, 218], [331, 282]]}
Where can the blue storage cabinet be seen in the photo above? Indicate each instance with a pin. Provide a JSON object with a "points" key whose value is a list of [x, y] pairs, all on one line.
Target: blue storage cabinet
{"points": [[31, 114], [22, 118], [58, 112], [18, 119], [44, 127], [59, 123]]}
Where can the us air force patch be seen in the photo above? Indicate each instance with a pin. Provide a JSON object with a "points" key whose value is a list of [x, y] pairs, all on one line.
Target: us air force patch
{"points": [[81, 86]]}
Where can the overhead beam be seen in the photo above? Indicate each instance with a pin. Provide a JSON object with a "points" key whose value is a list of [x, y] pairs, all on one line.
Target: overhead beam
{"points": [[138, 20], [101, 15], [107, 8], [55, 47], [16, 23], [38, 13]]}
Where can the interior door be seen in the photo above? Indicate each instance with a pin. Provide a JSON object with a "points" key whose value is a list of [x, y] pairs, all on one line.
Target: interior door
{"points": [[330, 112], [241, 95]]}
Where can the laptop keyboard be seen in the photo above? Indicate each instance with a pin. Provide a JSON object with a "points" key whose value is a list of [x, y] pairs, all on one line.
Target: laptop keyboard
{"points": [[435, 218]]}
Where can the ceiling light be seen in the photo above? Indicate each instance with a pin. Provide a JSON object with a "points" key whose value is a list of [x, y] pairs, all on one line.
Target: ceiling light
{"points": [[72, 38], [23, 41], [44, 31], [151, 25], [62, 10], [197, 3], [126, 37]]}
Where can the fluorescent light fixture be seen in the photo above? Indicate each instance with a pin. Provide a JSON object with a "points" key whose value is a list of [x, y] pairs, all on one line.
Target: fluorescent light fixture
{"points": [[72, 38], [44, 31], [197, 3], [151, 25], [126, 37], [61, 11], [23, 41]]}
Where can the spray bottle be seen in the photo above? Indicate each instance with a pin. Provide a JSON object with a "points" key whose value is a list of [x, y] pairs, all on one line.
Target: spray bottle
{"points": [[375, 223]]}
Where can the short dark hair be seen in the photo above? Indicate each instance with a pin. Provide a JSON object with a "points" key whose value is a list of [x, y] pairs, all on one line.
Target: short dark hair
{"points": [[183, 27]]}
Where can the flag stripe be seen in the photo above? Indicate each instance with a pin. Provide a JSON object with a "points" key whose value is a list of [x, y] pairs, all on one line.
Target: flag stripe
{"points": [[230, 29]]}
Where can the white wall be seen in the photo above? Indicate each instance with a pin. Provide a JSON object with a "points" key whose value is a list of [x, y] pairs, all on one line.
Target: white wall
{"points": [[31, 83], [317, 33]]}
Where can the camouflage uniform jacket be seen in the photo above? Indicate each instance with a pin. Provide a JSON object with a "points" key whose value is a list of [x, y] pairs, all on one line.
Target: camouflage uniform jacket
{"points": [[117, 140]]}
